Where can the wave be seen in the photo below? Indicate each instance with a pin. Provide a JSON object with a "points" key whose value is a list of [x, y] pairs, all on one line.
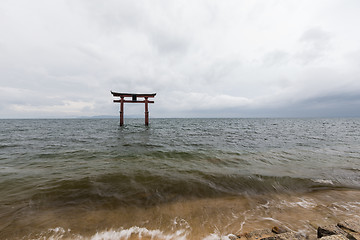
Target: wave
{"points": [[144, 189]]}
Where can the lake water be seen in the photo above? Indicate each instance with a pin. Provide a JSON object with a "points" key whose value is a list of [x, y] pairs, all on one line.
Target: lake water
{"points": [[175, 179]]}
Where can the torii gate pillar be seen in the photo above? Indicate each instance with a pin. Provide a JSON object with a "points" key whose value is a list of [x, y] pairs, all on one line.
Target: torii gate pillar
{"points": [[134, 99], [121, 111], [146, 112]]}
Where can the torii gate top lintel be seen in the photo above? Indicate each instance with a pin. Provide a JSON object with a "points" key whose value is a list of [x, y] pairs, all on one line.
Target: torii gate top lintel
{"points": [[134, 99], [116, 94]]}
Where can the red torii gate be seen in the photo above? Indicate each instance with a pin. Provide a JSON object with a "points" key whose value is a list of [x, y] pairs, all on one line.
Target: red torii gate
{"points": [[134, 97]]}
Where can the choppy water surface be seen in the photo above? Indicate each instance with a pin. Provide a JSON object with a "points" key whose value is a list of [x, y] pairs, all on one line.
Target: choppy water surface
{"points": [[177, 178]]}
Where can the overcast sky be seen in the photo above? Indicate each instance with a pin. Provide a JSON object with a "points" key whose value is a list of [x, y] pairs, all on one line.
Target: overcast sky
{"points": [[203, 58]]}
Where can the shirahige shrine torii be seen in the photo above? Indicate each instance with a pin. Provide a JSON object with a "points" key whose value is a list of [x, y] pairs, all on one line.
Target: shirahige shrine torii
{"points": [[134, 99]]}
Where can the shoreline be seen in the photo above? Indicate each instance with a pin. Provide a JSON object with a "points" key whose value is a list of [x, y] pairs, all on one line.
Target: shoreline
{"points": [[212, 218]]}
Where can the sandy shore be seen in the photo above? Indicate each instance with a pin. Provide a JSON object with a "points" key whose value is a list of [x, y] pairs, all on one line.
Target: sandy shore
{"points": [[212, 218]]}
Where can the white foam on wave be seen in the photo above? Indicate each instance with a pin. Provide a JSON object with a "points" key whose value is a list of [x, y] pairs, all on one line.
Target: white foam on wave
{"points": [[139, 232], [302, 203], [152, 234], [180, 222], [214, 236], [325, 181], [134, 232], [56, 234]]}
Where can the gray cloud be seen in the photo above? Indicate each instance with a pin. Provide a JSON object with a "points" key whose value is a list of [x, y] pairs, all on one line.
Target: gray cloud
{"points": [[258, 58], [315, 43], [276, 57]]}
